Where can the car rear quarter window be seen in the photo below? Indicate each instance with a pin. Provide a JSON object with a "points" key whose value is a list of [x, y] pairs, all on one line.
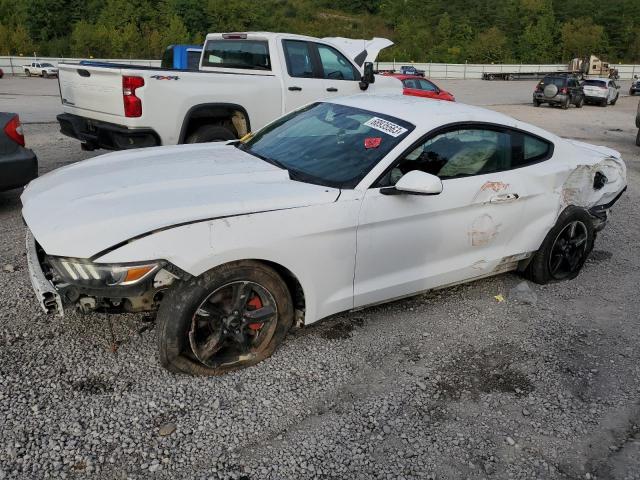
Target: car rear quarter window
{"points": [[243, 54]]}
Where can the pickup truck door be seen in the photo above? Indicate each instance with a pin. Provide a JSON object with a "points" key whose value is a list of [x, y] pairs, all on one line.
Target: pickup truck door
{"points": [[302, 80], [341, 77]]}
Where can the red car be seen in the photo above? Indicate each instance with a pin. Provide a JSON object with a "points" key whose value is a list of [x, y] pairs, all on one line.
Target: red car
{"points": [[421, 87]]}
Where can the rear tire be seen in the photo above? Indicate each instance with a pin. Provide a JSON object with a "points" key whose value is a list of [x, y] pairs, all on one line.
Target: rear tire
{"points": [[210, 133], [566, 103], [180, 309], [613, 102], [536, 103], [580, 103], [603, 103], [27, 73], [540, 269], [45, 75]]}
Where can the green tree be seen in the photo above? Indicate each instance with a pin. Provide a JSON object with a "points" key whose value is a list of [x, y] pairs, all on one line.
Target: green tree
{"points": [[581, 37], [490, 46]]}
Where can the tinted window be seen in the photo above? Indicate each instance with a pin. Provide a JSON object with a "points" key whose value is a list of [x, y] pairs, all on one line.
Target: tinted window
{"points": [[246, 54], [595, 83], [457, 153], [193, 59], [328, 144], [335, 65], [427, 85], [557, 81], [410, 83], [299, 60]]}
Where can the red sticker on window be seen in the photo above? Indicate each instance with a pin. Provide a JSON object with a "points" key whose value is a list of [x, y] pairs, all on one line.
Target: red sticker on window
{"points": [[372, 142]]}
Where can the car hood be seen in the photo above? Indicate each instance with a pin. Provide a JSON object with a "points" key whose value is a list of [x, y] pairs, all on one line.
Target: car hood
{"points": [[85, 208]]}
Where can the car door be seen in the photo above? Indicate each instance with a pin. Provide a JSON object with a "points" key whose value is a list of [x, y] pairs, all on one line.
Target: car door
{"points": [[411, 243], [303, 82], [412, 87], [341, 77]]}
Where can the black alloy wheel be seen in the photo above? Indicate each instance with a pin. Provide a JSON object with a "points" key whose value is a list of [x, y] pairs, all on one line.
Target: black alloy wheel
{"points": [[235, 320], [569, 251]]}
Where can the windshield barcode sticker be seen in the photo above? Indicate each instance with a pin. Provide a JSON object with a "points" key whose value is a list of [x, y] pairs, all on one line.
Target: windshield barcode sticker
{"points": [[385, 126]]}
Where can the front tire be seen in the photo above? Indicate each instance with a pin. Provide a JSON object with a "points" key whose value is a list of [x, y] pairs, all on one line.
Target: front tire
{"points": [[27, 73], [229, 318], [564, 249], [210, 133]]}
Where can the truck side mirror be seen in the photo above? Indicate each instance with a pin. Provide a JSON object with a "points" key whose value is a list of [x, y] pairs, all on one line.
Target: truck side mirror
{"points": [[368, 77]]}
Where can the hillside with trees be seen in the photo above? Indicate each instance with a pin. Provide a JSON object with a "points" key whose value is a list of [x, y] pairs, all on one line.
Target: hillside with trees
{"points": [[456, 31]]}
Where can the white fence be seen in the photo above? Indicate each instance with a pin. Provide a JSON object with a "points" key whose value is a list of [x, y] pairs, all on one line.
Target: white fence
{"points": [[13, 66], [469, 70]]}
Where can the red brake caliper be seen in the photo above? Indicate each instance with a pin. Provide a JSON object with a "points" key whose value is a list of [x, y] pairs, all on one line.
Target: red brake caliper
{"points": [[254, 304]]}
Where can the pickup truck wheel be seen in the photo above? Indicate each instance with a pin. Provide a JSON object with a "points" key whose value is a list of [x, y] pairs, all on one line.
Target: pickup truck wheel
{"points": [[45, 75], [27, 73], [564, 249], [210, 133], [231, 317]]}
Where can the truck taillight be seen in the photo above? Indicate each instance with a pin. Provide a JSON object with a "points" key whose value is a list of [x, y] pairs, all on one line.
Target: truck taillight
{"points": [[564, 90], [13, 129], [132, 104]]}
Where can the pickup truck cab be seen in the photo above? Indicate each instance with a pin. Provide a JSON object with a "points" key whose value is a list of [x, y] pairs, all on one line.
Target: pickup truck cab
{"points": [[41, 69], [411, 70], [244, 82]]}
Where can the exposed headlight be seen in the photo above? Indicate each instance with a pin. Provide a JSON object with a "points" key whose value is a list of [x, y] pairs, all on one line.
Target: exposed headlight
{"points": [[87, 273]]}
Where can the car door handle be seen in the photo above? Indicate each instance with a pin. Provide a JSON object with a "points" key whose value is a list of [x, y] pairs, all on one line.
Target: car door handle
{"points": [[504, 198], [295, 89], [332, 89]]}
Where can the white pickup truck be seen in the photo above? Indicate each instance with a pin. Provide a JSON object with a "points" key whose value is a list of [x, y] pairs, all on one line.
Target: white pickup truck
{"points": [[245, 81], [41, 69]]}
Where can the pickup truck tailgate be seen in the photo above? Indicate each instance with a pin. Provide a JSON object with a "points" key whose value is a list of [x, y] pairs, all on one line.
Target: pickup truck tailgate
{"points": [[95, 89]]}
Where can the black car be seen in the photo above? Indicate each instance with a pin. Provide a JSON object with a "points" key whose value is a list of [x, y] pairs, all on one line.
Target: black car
{"points": [[18, 165], [562, 90], [635, 86]]}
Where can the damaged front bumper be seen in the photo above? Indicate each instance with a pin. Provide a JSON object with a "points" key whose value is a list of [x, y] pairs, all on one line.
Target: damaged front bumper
{"points": [[55, 293], [48, 298]]}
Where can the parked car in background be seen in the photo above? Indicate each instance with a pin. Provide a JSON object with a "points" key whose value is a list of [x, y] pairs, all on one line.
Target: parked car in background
{"points": [[601, 91], [638, 125], [1, 73], [246, 80], [562, 90], [235, 242], [635, 86], [18, 165], [182, 57], [421, 87], [44, 70], [411, 70]]}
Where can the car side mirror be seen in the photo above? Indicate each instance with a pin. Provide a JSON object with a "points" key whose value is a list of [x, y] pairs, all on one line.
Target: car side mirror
{"points": [[367, 77], [415, 182]]}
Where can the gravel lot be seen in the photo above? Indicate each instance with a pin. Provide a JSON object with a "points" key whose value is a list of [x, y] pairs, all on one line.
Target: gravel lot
{"points": [[452, 384]]}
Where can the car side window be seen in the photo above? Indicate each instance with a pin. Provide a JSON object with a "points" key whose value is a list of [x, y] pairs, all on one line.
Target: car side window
{"points": [[456, 153], [427, 85], [528, 149], [335, 65], [299, 59], [410, 83]]}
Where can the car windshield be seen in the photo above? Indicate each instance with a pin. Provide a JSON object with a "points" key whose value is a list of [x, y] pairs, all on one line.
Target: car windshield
{"points": [[595, 83], [328, 144], [46, 65]]}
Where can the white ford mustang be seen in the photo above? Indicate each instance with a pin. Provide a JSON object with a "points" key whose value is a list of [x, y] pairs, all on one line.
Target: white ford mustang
{"points": [[336, 206]]}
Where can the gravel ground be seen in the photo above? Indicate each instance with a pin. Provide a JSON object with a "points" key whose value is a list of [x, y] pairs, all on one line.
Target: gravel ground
{"points": [[452, 384]]}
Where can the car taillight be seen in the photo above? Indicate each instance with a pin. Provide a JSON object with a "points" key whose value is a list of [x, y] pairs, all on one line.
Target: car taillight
{"points": [[13, 129], [564, 90], [132, 104]]}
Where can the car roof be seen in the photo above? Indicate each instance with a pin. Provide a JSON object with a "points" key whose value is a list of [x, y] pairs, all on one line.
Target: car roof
{"points": [[427, 114], [403, 76]]}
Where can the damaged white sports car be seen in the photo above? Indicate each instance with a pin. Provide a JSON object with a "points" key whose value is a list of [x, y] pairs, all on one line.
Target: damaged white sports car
{"points": [[336, 206]]}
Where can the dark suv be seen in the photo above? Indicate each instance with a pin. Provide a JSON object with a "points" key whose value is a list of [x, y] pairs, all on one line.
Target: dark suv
{"points": [[562, 90]]}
